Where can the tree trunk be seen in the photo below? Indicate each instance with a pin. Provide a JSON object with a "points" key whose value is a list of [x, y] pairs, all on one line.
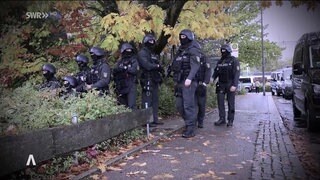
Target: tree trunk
{"points": [[172, 15]]}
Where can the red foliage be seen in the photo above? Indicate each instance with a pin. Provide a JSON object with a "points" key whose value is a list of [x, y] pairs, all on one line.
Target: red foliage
{"points": [[7, 76], [69, 50]]}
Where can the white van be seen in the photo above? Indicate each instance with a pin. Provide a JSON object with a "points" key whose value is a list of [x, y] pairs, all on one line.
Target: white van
{"points": [[245, 82]]}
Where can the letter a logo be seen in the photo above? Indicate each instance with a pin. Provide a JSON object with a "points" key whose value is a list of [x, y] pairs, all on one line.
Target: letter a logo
{"points": [[31, 158]]}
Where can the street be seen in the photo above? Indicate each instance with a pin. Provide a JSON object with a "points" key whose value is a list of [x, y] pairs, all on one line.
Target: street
{"points": [[307, 144], [258, 146]]}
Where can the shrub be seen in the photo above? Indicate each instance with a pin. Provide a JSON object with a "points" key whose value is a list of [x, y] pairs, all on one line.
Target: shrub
{"points": [[167, 99], [28, 109], [211, 97]]}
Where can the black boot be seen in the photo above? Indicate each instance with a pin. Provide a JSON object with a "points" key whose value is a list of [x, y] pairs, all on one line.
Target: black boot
{"points": [[200, 124], [220, 122], [230, 123], [189, 132]]}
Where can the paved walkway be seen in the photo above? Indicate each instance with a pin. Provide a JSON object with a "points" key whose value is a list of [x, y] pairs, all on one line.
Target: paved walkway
{"points": [[256, 147]]}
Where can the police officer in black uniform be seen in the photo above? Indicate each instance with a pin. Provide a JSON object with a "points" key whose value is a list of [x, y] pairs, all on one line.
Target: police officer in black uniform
{"points": [[83, 75], [228, 72], [51, 82], [69, 87], [100, 72], [203, 77], [150, 78], [124, 75], [184, 67]]}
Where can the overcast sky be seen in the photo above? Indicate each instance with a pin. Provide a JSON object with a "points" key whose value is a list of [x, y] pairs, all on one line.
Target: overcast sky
{"points": [[287, 24]]}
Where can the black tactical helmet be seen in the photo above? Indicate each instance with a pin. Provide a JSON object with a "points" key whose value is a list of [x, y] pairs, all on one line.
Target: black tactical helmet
{"points": [[49, 67], [97, 51], [187, 33], [71, 80], [226, 47], [82, 58], [148, 37], [125, 46]]}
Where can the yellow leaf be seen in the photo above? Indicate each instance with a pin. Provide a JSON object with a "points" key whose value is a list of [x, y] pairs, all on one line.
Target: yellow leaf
{"points": [[95, 177], [102, 167], [206, 143]]}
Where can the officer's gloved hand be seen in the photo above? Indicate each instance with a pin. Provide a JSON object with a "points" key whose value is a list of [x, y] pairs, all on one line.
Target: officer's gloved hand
{"points": [[233, 89], [187, 83]]}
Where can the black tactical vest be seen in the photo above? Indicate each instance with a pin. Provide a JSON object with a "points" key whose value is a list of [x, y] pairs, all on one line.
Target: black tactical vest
{"points": [[181, 67], [225, 70]]}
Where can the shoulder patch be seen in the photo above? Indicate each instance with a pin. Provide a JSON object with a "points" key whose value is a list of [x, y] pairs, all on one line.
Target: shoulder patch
{"points": [[208, 65], [105, 75], [238, 68]]}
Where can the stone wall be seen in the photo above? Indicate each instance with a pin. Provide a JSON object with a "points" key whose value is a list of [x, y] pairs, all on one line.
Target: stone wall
{"points": [[48, 143]]}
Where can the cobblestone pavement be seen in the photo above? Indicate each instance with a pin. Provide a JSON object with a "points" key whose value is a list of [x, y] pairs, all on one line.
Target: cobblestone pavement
{"points": [[256, 147]]}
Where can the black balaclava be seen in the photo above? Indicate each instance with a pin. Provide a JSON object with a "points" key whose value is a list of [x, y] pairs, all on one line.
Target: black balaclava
{"points": [[225, 53], [67, 85], [82, 66], [48, 75], [151, 44], [184, 41], [127, 53]]}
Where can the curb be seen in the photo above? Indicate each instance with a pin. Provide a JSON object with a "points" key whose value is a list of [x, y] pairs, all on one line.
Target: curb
{"points": [[124, 155], [130, 152]]}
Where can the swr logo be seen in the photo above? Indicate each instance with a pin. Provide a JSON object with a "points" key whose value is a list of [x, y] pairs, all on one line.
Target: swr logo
{"points": [[37, 15]]}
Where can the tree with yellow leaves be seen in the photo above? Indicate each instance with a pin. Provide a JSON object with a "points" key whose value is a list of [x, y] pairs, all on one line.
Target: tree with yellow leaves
{"points": [[208, 19]]}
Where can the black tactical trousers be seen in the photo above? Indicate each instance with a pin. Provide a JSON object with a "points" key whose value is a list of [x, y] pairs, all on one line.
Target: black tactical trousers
{"points": [[201, 100], [152, 99], [222, 90], [186, 104], [129, 99]]}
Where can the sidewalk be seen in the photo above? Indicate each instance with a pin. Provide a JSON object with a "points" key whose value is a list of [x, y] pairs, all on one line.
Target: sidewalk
{"points": [[256, 147]]}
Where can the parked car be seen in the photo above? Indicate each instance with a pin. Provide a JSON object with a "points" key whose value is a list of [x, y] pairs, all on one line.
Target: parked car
{"points": [[276, 83], [246, 83], [286, 83], [306, 80]]}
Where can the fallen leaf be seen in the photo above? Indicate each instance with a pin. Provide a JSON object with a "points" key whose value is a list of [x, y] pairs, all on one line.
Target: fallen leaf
{"points": [[136, 173], [163, 176], [122, 164], [139, 164], [233, 155], [228, 173], [199, 176], [165, 155], [153, 151], [102, 168], [112, 168], [130, 158], [206, 143], [174, 161], [179, 148], [95, 177], [209, 161], [239, 166]]}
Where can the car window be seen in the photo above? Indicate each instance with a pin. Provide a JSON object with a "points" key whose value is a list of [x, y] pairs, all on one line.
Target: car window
{"points": [[315, 56], [245, 80]]}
